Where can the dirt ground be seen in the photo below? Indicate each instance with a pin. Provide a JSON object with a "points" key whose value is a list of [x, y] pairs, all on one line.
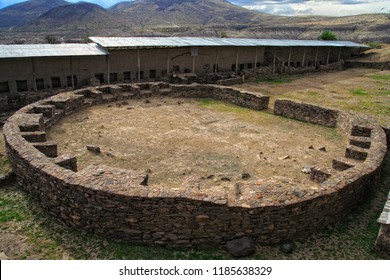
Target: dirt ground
{"points": [[365, 91], [28, 233], [202, 143]]}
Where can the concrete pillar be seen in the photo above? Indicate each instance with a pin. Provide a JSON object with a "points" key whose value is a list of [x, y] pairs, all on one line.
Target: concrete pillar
{"points": [[256, 57], [340, 54], [274, 65], [168, 61], [216, 61], [236, 60], [289, 57], [327, 59], [71, 71], [315, 63], [34, 78], [304, 56], [108, 68], [139, 65]]}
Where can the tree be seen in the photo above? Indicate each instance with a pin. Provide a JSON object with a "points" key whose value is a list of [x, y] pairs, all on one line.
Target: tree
{"points": [[328, 36], [50, 39]]}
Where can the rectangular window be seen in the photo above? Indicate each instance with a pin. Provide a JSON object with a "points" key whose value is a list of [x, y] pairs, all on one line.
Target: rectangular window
{"points": [[176, 68], [242, 67], [21, 86], [249, 65], [40, 84], [55, 82], [233, 67], [152, 74], [100, 77], [258, 64], [127, 76], [4, 87], [113, 77]]}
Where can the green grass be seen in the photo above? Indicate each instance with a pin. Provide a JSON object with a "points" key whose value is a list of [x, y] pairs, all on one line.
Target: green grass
{"points": [[275, 81], [381, 77], [359, 92], [9, 211]]}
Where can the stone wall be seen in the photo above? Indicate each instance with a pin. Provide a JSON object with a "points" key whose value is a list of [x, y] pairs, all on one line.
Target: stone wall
{"points": [[368, 64], [269, 71], [119, 203], [306, 112]]}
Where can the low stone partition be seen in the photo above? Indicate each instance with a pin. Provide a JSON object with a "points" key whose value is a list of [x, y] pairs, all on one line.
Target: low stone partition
{"points": [[306, 112], [368, 64], [120, 204]]}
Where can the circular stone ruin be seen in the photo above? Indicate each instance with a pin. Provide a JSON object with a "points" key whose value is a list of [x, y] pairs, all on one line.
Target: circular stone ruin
{"points": [[120, 203]]}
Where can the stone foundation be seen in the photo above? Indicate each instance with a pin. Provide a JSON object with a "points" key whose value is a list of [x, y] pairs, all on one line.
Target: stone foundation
{"points": [[119, 203]]}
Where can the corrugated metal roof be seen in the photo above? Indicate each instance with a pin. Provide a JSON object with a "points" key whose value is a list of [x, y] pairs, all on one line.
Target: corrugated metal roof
{"points": [[160, 42], [50, 50]]}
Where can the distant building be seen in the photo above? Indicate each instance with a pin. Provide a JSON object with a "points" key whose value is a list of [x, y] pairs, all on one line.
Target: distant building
{"points": [[26, 68]]}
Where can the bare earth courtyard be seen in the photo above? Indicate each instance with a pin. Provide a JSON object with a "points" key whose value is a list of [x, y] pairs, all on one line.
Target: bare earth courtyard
{"points": [[204, 144], [29, 233]]}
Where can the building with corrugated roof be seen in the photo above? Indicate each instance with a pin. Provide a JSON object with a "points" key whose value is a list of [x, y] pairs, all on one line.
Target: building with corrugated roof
{"points": [[125, 59]]}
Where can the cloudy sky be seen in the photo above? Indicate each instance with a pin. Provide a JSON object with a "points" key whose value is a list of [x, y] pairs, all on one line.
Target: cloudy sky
{"points": [[286, 7]]}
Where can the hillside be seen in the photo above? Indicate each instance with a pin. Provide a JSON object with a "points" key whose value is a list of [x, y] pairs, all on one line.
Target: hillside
{"points": [[173, 13], [33, 20], [24, 12], [81, 15]]}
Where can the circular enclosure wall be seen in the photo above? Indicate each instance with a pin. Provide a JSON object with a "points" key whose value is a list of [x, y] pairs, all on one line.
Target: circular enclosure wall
{"points": [[120, 204]]}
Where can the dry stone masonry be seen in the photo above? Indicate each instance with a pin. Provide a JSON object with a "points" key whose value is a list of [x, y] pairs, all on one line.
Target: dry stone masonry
{"points": [[120, 204]]}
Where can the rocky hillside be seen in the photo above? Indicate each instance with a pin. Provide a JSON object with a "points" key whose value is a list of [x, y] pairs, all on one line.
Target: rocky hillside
{"points": [[24, 12], [173, 13], [81, 15], [33, 20]]}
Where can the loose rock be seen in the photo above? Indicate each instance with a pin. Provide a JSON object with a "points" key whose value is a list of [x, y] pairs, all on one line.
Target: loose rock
{"points": [[287, 247], [242, 247], [307, 169], [93, 149]]}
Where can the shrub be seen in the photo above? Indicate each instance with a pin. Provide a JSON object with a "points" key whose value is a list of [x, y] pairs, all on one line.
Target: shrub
{"points": [[327, 36]]}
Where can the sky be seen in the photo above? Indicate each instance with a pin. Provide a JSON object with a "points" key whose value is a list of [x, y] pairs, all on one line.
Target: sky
{"points": [[285, 7]]}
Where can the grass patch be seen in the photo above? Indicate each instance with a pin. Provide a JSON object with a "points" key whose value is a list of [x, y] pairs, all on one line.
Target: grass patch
{"points": [[9, 211], [275, 81], [313, 94], [385, 92], [381, 77], [359, 92]]}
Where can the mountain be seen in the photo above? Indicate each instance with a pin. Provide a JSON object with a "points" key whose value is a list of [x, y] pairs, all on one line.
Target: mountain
{"points": [[173, 13], [81, 15], [24, 12], [33, 20]]}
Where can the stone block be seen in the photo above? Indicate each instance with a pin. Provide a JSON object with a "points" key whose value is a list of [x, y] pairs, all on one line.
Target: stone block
{"points": [[46, 110], [32, 122], [362, 142], [34, 136], [357, 153], [341, 164], [48, 148], [361, 131], [67, 162]]}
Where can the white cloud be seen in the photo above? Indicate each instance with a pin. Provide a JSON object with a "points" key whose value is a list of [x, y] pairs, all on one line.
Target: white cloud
{"points": [[311, 7]]}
